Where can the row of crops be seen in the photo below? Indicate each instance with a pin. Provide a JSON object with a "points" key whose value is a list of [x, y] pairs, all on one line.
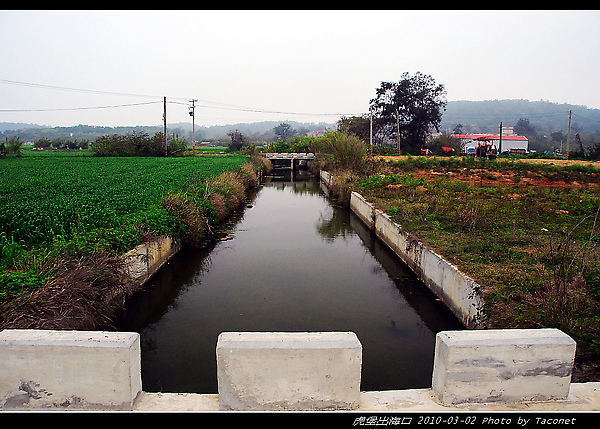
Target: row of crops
{"points": [[43, 197]]}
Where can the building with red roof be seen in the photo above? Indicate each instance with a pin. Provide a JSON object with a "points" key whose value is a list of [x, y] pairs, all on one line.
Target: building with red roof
{"points": [[510, 143]]}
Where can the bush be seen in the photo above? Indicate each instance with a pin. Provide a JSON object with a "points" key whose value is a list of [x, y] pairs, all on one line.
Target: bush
{"points": [[13, 146], [138, 144], [348, 151]]}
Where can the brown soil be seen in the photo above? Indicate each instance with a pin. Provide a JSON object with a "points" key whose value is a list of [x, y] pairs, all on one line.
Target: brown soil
{"points": [[559, 162], [484, 177]]}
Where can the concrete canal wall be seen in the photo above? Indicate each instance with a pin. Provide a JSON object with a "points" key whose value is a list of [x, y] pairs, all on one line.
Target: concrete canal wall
{"points": [[456, 290], [146, 259]]}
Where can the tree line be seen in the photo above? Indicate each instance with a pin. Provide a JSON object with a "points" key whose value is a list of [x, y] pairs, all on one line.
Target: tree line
{"points": [[132, 144]]}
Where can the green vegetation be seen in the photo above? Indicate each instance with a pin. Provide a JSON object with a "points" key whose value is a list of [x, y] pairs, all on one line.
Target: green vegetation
{"points": [[527, 232], [66, 219], [45, 198], [138, 144]]}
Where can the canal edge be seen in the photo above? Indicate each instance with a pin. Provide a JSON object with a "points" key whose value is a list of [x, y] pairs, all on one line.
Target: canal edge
{"points": [[457, 291]]}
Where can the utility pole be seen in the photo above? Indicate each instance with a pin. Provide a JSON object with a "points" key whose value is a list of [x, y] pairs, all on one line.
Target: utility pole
{"points": [[568, 134], [398, 129], [371, 129], [192, 114], [500, 148], [165, 123]]}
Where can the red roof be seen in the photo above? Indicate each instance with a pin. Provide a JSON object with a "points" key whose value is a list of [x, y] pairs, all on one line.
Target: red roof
{"points": [[490, 136]]}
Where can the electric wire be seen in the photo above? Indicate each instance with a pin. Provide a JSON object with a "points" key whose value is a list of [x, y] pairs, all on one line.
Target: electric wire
{"points": [[89, 91], [79, 108], [215, 105]]}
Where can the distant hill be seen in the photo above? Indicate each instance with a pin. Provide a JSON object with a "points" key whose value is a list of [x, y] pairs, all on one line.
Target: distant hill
{"points": [[485, 116], [255, 130], [4, 126], [475, 116]]}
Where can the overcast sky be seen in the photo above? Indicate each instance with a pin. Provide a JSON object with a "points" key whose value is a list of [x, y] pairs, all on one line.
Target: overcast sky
{"points": [[308, 66]]}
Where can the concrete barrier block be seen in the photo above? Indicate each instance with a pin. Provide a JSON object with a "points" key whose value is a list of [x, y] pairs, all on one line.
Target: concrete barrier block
{"points": [[510, 366], [325, 177], [363, 209], [288, 371], [69, 370]]}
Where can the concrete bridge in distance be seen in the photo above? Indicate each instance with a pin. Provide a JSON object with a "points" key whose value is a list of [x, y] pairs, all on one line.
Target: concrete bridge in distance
{"points": [[290, 161]]}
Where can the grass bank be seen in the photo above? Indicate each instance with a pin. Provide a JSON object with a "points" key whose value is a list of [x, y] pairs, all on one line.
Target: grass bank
{"points": [[527, 232], [68, 273]]}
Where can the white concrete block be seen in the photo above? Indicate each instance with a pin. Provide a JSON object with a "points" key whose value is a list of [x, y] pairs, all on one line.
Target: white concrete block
{"points": [[509, 366], [363, 209], [289, 370], [69, 369], [326, 177]]}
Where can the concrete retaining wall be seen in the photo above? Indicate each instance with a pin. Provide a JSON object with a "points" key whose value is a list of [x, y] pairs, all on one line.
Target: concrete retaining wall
{"points": [[146, 259], [57, 370], [326, 178], [456, 290]]}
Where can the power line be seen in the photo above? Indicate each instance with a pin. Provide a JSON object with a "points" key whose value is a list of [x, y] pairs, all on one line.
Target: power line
{"points": [[215, 105], [89, 91], [79, 108], [273, 111]]}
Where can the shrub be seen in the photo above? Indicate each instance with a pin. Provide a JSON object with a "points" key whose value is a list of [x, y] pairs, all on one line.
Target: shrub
{"points": [[138, 144], [348, 151], [13, 146]]}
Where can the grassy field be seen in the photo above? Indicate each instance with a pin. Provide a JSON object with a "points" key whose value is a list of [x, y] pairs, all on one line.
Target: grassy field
{"points": [[48, 194], [67, 219], [56, 204], [527, 231]]}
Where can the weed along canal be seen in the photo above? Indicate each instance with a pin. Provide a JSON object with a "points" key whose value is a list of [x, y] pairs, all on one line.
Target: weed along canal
{"points": [[292, 262]]}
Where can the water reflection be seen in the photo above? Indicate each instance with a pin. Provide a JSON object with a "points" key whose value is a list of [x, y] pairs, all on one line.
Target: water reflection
{"points": [[295, 263]]}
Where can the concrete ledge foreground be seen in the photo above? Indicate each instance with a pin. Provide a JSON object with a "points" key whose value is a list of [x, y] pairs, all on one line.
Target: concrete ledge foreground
{"points": [[69, 369], [260, 371], [582, 397], [288, 371]]}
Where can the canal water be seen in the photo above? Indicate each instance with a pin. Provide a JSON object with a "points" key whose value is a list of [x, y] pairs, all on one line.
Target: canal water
{"points": [[291, 262]]}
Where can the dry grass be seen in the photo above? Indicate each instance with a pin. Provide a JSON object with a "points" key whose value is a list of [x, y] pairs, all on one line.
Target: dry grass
{"points": [[82, 295]]}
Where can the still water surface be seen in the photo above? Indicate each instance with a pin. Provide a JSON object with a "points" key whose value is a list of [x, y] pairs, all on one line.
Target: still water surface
{"points": [[294, 263]]}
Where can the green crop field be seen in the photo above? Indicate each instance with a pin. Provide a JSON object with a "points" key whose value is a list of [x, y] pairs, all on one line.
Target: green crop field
{"points": [[44, 195]]}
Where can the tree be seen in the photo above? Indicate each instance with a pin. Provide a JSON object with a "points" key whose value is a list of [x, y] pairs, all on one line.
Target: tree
{"points": [[357, 125], [458, 129], [237, 140], [408, 110], [13, 145], [284, 131], [524, 128]]}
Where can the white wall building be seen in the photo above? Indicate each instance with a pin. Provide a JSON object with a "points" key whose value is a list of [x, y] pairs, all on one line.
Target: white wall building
{"points": [[510, 143]]}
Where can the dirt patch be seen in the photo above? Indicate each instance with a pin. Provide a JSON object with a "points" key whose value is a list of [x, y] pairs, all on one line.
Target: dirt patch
{"points": [[558, 162], [483, 177]]}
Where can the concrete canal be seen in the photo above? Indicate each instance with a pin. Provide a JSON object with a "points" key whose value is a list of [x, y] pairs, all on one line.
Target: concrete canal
{"points": [[293, 262]]}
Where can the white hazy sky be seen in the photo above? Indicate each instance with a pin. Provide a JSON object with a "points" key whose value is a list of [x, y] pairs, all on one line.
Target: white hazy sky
{"points": [[308, 65]]}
